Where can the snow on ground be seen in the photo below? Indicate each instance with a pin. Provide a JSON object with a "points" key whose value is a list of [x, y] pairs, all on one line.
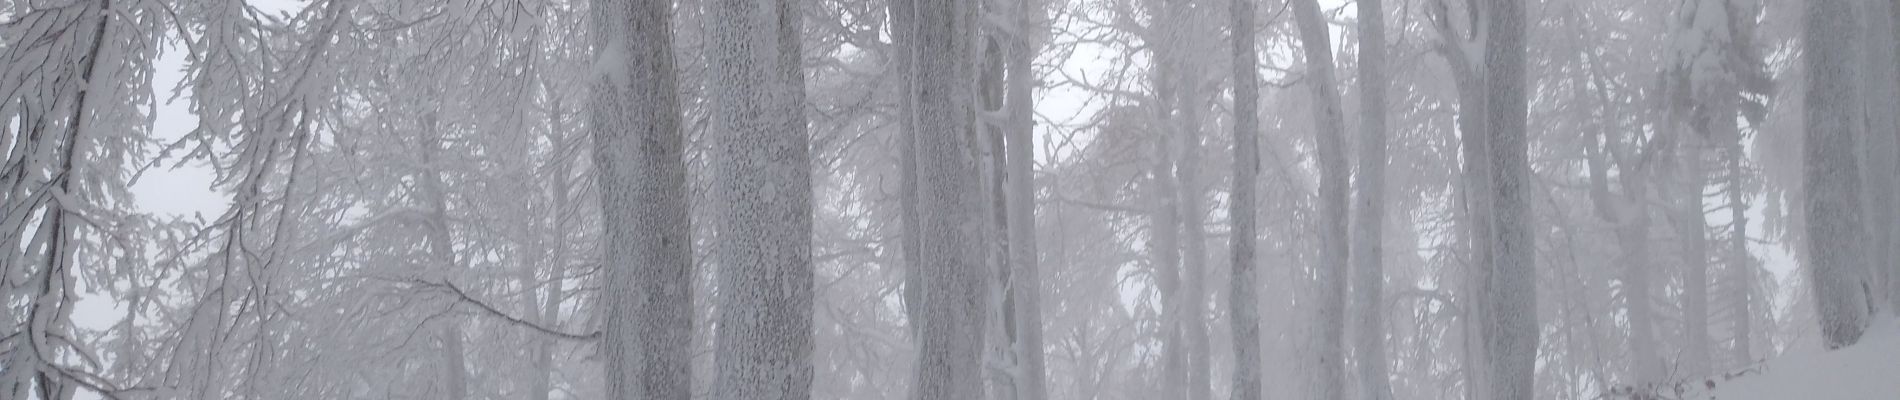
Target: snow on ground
{"points": [[1869, 370]]}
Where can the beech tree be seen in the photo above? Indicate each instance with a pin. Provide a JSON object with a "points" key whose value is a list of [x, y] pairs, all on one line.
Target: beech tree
{"points": [[762, 174], [1331, 271], [639, 152], [1511, 336], [952, 252]]}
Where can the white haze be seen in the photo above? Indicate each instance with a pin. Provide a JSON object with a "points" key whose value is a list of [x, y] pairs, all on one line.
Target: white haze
{"points": [[402, 237]]}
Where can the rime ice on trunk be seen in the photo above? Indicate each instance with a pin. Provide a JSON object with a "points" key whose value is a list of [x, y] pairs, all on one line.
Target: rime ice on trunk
{"points": [[1512, 335], [761, 177], [1892, 159], [1835, 246], [1881, 147], [951, 224], [638, 154]]}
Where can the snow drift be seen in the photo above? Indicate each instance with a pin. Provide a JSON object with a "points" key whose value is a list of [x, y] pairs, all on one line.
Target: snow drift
{"points": [[1869, 369]]}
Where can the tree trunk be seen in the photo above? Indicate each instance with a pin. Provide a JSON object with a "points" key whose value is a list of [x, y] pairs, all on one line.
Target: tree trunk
{"points": [[903, 43], [1026, 284], [1741, 266], [549, 308], [762, 173], [1832, 186], [1368, 243], [1328, 138], [1187, 171], [1475, 147], [1892, 20], [441, 250], [1459, 47], [1632, 232], [1164, 218], [639, 152], [1000, 311], [1881, 102], [953, 255], [1243, 302], [1512, 335], [1164, 250], [1693, 229]]}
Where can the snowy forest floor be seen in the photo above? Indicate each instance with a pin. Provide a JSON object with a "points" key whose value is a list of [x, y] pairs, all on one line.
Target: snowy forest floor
{"points": [[1865, 371]]}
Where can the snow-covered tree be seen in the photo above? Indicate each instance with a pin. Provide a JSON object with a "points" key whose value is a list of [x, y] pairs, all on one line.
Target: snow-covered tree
{"points": [[1836, 258], [639, 151], [761, 172]]}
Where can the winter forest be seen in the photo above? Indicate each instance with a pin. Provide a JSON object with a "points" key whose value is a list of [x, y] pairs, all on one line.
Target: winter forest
{"points": [[949, 199]]}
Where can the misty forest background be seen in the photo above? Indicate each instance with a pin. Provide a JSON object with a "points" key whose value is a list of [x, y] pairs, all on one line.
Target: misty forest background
{"points": [[938, 199]]}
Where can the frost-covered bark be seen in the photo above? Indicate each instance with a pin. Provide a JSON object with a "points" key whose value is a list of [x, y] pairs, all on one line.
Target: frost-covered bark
{"points": [[1881, 147], [1243, 300], [949, 199], [1891, 20], [1368, 243], [1511, 336], [639, 152], [1163, 246], [761, 176], [1329, 137], [1835, 242]]}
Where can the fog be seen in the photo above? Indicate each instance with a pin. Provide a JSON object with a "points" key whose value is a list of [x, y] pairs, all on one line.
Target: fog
{"points": [[948, 199]]}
